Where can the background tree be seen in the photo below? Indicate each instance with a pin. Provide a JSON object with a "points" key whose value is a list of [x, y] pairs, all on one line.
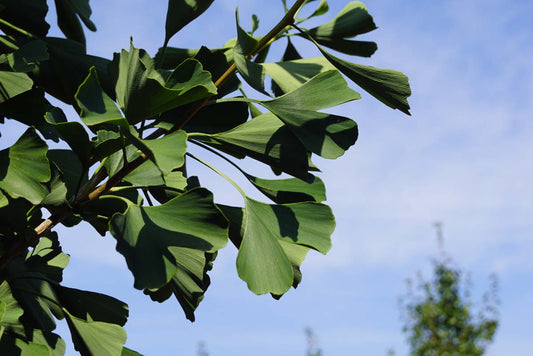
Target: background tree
{"points": [[312, 343], [441, 320], [125, 168]]}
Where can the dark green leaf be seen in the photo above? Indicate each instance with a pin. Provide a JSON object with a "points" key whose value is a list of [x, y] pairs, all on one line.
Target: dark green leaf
{"points": [[145, 235], [250, 71], [27, 14], [210, 119], [129, 352], [72, 132], [67, 68], [266, 139], [190, 281], [25, 59], [68, 21], [182, 12], [72, 172], [354, 48], [93, 306], [284, 191], [24, 168], [143, 92], [96, 106], [387, 85], [30, 109]]}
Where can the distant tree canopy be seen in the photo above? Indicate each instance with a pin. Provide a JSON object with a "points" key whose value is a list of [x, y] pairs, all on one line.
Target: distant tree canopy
{"points": [[441, 320]]}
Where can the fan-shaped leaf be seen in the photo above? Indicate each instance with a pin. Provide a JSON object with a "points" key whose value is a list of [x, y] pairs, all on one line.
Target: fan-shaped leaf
{"points": [[24, 168], [182, 12], [262, 261], [145, 235]]}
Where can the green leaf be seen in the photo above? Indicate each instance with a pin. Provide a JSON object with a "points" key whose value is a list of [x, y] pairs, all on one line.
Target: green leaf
{"points": [[58, 190], [218, 118], [324, 134], [26, 58], [13, 84], [262, 261], [255, 24], [36, 344], [72, 171], [250, 71], [72, 132], [145, 235], [95, 337], [96, 106], [68, 21], [167, 152], [353, 20], [93, 306], [284, 191], [322, 8], [143, 92], [10, 310], [24, 168], [190, 281], [289, 75], [182, 12], [354, 48], [129, 352], [67, 68], [266, 139], [388, 86], [30, 109], [26, 14]]}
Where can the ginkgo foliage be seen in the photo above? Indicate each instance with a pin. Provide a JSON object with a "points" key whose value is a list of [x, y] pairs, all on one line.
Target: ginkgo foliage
{"points": [[124, 168]]}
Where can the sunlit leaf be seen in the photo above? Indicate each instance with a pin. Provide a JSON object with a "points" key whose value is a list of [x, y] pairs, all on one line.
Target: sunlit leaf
{"points": [[262, 261], [13, 84], [351, 21], [95, 337]]}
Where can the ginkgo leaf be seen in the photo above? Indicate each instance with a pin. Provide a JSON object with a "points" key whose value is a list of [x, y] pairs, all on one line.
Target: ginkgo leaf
{"points": [[13, 84], [182, 12], [265, 264], [190, 281], [24, 168], [145, 234], [96, 106], [266, 139], [95, 337], [143, 92]]}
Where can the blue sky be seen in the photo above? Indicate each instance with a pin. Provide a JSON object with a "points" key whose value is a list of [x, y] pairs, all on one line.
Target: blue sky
{"points": [[463, 158]]}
